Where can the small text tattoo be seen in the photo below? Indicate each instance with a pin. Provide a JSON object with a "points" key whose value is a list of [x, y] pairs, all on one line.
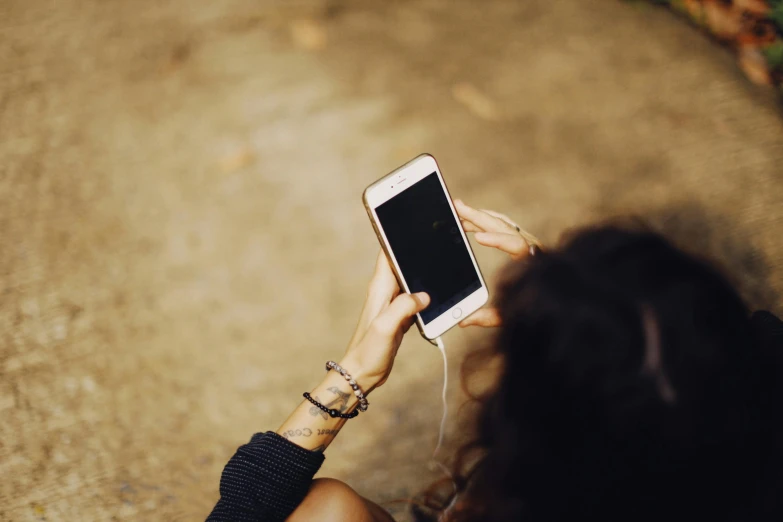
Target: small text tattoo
{"points": [[304, 432], [327, 432]]}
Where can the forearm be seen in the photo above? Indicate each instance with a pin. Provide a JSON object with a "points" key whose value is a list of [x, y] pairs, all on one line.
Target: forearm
{"points": [[268, 478], [313, 429]]}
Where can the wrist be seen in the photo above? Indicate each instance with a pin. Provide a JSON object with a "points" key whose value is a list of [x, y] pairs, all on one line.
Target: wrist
{"points": [[367, 380]]}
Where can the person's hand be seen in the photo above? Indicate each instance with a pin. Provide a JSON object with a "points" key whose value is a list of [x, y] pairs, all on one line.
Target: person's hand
{"points": [[495, 230], [386, 316]]}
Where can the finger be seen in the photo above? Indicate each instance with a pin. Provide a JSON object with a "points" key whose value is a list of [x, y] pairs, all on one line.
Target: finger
{"points": [[485, 317], [462, 209], [470, 227], [383, 282], [512, 244], [383, 269], [407, 324], [480, 219], [404, 307], [507, 220], [383, 287]]}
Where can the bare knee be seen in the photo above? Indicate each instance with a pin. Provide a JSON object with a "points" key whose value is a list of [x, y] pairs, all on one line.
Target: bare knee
{"points": [[330, 500]]}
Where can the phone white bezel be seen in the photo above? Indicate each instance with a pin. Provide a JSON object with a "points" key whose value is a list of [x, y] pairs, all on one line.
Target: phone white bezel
{"points": [[392, 185]]}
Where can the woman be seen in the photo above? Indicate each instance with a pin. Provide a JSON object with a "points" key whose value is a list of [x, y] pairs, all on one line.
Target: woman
{"points": [[634, 386]]}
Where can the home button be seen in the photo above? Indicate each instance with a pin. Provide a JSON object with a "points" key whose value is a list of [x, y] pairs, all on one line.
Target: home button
{"points": [[456, 313]]}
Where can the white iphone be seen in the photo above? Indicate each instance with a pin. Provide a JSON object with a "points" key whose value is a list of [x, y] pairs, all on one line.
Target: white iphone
{"points": [[418, 227]]}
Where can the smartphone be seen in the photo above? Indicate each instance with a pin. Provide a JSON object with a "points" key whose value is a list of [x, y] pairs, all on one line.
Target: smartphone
{"points": [[418, 228]]}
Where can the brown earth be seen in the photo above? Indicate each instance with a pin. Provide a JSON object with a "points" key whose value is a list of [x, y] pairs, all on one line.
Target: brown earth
{"points": [[184, 244]]}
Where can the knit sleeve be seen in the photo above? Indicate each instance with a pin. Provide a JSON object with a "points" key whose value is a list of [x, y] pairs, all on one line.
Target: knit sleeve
{"points": [[265, 480]]}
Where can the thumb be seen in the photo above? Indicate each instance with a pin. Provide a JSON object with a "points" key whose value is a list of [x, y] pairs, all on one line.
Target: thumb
{"points": [[486, 317], [401, 309]]}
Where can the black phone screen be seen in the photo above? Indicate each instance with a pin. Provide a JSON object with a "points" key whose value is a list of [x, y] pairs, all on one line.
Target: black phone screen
{"points": [[425, 238]]}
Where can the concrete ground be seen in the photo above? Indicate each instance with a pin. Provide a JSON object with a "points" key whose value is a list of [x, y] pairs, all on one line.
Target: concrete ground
{"points": [[183, 243]]}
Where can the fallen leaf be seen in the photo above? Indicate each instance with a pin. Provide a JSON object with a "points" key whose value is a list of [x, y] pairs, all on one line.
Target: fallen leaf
{"points": [[753, 63], [475, 101], [308, 34], [723, 22], [754, 6], [237, 160]]}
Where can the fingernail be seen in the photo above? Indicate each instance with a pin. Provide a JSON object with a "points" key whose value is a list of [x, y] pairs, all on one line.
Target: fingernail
{"points": [[422, 298]]}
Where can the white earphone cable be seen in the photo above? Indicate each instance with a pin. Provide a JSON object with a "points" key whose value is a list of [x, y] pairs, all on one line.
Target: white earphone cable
{"points": [[442, 347]]}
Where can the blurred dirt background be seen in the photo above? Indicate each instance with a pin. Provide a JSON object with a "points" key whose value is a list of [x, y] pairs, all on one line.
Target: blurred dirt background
{"points": [[183, 243]]}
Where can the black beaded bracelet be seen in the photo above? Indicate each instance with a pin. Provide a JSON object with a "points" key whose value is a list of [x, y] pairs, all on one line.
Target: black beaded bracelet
{"points": [[331, 412]]}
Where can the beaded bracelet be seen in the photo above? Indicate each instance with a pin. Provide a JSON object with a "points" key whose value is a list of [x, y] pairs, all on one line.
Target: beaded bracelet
{"points": [[363, 404], [331, 412]]}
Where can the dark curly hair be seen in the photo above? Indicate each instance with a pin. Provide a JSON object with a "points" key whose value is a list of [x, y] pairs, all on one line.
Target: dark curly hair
{"points": [[634, 387]]}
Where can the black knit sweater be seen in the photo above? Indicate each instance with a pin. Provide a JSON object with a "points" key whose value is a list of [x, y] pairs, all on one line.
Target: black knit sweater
{"points": [[265, 480]]}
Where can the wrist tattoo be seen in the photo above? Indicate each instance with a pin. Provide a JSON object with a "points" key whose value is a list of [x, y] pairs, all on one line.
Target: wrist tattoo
{"points": [[341, 400], [340, 403], [315, 411]]}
